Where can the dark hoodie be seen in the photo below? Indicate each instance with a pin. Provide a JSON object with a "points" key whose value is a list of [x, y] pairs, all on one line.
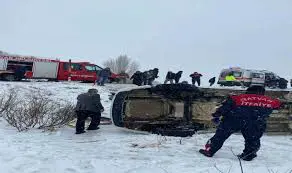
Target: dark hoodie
{"points": [[178, 76]]}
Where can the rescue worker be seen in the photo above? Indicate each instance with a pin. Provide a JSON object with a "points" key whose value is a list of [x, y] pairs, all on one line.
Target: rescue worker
{"points": [[137, 78], [212, 81], [229, 78], [88, 105], [104, 75], [170, 76], [196, 77], [178, 76], [247, 113], [153, 74]]}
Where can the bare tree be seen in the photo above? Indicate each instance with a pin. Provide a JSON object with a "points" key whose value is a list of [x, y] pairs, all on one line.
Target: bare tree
{"points": [[122, 64], [35, 110], [111, 64], [7, 101]]}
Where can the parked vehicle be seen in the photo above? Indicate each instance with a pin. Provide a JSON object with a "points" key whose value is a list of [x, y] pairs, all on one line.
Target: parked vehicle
{"points": [[244, 77], [13, 68], [249, 77], [272, 80]]}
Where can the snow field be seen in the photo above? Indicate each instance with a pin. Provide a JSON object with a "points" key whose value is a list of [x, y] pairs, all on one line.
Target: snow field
{"points": [[115, 150]]}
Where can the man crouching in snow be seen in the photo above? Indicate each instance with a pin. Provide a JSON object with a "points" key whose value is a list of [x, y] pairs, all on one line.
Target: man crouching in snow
{"points": [[88, 105], [246, 113]]}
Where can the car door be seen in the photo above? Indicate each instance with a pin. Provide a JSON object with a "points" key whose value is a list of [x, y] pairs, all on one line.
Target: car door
{"points": [[257, 78], [76, 72]]}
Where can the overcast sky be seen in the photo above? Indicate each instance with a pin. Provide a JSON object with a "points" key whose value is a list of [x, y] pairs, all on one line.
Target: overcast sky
{"points": [[188, 35]]}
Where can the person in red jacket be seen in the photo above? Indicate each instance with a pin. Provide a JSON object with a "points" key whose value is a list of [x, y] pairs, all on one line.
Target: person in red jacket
{"points": [[247, 113]]}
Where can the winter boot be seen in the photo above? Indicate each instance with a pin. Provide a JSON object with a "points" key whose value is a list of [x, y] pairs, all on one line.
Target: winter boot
{"points": [[247, 157], [80, 132], [207, 151], [92, 128]]}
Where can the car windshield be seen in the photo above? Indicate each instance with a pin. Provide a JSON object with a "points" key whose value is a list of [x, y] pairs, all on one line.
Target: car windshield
{"points": [[90, 68], [98, 68], [237, 74]]}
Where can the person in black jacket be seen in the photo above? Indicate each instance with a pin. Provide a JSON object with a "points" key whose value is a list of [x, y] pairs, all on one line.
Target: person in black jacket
{"points": [[178, 76], [137, 78], [212, 81], [104, 75], [196, 77], [88, 105], [247, 113], [153, 74], [170, 76]]}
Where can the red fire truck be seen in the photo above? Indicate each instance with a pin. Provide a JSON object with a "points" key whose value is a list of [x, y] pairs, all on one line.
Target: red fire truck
{"points": [[13, 68]]}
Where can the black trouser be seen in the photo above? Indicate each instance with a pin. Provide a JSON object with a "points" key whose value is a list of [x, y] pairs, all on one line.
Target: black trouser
{"points": [[198, 80], [83, 115], [251, 129], [176, 80], [166, 80], [211, 83]]}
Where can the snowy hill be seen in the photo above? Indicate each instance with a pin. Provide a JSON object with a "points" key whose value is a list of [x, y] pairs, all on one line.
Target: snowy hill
{"points": [[114, 150], [63, 91]]}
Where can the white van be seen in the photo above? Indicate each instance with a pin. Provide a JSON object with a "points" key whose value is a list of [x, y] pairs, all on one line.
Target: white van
{"points": [[244, 77]]}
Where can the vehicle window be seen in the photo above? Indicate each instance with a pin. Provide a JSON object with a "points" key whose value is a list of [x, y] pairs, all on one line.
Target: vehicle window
{"points": [[66, 66], [90, 68], [98, 68], [257, 75], [237, 74], [13, 65], [224, 74], [76, 67]]}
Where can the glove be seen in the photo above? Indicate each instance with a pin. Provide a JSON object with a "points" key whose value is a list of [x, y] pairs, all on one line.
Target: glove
{"points": [[216, 120]]}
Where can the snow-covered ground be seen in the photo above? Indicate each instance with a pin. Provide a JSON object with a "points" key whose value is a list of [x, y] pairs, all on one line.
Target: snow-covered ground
{"points": [[114, 150]]}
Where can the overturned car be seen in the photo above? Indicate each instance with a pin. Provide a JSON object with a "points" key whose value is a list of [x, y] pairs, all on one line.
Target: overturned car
{"points": [[181, 109], [168, 109]]}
